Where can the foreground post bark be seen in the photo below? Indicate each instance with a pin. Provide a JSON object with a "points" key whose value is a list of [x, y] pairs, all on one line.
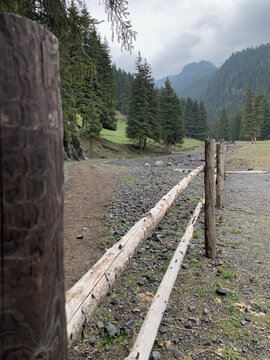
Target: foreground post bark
{"points": [[32, 314], [209, 184], [83, 298]]}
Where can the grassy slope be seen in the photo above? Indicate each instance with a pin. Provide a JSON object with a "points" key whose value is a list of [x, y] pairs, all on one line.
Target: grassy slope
{"points": [[256, 155], [118, 142]]}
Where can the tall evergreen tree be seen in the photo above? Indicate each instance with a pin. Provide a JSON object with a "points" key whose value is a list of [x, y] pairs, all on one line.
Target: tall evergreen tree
{"points": [[170, 114], [249, 128], [235, 125], [202, 122], [141, 116], [189, 120], [265, 129]]}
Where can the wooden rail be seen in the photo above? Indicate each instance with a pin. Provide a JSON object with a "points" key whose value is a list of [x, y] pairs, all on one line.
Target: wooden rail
{"points": [[86, 294], [146, 337]]}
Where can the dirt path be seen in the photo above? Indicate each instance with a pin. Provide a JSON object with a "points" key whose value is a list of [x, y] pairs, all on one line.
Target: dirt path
{"points": [[88, 190]]}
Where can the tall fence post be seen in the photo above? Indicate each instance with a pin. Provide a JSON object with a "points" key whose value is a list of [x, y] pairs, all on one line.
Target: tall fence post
{"points": [[209, 184], [220, 175], [32, 314]]}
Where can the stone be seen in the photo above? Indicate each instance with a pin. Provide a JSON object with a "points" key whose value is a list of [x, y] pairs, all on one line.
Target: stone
{"points": [[111, 329], [205, 311], [136, 311], [185, 266], [113, 301], [159, 163], [163, 329], [191, 308], [192, 319], [189, 325], [80, 236], [156, 355], [147, 164], [100, 325], [222, 291], [129, 324], [176, 353]]}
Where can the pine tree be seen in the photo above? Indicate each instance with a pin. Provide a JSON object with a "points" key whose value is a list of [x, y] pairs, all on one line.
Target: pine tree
{"points": [[189, 120], [142, 108], [170, 114], [265, 130], [202, 122], [235, 125], [248, 122]]}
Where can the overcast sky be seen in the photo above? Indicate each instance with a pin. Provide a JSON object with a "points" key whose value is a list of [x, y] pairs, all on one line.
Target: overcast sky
{"points": [[174, 33]]}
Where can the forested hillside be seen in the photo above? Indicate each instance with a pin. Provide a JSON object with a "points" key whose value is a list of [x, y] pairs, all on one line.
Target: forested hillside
{"points": [[123, 81], [192, 80], [228, 85]]}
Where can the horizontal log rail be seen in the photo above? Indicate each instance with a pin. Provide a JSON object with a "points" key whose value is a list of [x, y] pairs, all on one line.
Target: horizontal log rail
{"points": [[247, 171], [146, 337], [83, 298]]}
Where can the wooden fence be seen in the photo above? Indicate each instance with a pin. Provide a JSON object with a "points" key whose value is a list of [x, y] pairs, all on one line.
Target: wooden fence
{"points": [[31, 183]]}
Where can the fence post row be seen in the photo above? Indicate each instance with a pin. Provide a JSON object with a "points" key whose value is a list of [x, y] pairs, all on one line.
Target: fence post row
{"points": [[32, 314], [209, 185]]}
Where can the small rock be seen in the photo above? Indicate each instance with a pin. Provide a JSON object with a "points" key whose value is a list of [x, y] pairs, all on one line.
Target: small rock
{"points": [[129, 324], [169, 163], [189, 325], [247, 319], [147, 164], [205, 311], [176, 341], [191, 308], [100, 325], [176, 353], [159, 163], [156, 355], [222, 291], [243, 322], [193, 320], [163, 329], [113, 302], [136, 311], [92, 340], [80, 236], [185, 266], [111, 330]]}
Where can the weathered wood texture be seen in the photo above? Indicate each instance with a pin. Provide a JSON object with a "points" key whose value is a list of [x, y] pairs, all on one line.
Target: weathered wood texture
{"points": [[86, 294], [210, 189], [247, 172], [33, 322], [148, 332], [220, 175]]}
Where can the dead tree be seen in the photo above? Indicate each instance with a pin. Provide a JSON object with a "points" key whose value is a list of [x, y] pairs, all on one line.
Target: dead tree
{"points": [[33, 322]]}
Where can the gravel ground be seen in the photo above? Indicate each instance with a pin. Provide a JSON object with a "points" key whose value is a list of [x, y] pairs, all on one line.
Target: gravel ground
{"points": [[198, 323]]}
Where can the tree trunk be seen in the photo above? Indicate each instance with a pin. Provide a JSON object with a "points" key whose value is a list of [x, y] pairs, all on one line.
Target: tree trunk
{"points": [[33, 322]]}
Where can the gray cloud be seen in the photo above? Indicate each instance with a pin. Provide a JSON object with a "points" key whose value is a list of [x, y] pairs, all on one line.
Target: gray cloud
{"points": [[174, 33], [175, 54]]}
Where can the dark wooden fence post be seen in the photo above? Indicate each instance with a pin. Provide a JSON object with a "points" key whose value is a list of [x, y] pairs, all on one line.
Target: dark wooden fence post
{"points": [[209, 183], [32, 314], [220, 175]]}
